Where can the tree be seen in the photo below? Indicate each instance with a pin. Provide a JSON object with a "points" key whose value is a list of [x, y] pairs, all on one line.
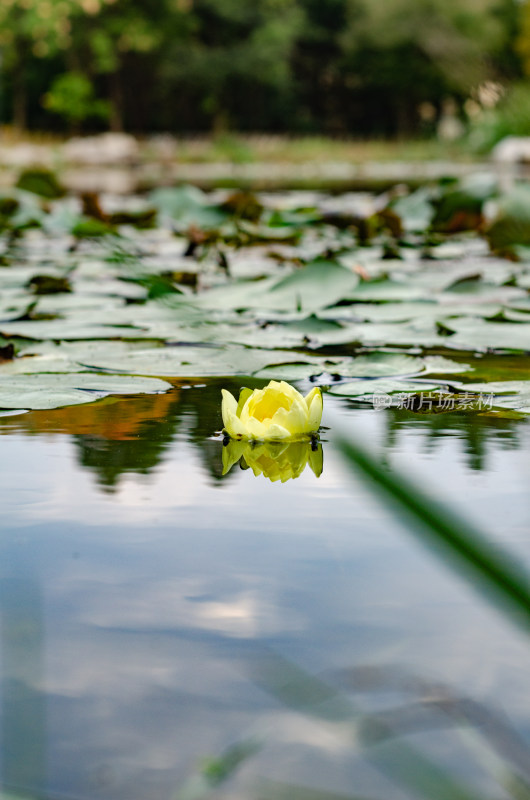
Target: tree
{"points": [[403, 52], [235, 63]]}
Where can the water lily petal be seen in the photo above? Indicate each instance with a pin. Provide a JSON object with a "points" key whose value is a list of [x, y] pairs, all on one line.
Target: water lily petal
{"points": [[296, 420], [286, 389], [229, 405], [276, 432], [315, 412], [255, 429], [244, 395], [309, 397], [248, 405], [234, 427], [232, 424], [265, 402]]}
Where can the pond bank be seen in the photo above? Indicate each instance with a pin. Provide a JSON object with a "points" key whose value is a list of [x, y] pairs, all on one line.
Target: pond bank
{"points": [[120, 163]]}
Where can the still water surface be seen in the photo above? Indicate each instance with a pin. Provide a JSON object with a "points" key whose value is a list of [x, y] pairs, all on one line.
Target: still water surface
{"points": [[151, 607]]}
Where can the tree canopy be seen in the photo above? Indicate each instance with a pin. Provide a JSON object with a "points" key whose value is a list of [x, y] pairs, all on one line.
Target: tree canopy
{"points": [[347, 67]]}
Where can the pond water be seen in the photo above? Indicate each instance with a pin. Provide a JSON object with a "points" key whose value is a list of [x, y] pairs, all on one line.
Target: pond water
{"points": [[163, 623]]}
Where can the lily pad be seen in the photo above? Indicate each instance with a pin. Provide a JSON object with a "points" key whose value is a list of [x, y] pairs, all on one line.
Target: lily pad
{"points": [[187, 205], [511, 226], [439, 365], [375, 365], [126, 315], [39, 364], [476, 334], [59, 329], [293, 372], [513, 395], [367, 388], [415, 210], [55, 391], [317, 285], [194, 361], [387, 290], [40, 181]]}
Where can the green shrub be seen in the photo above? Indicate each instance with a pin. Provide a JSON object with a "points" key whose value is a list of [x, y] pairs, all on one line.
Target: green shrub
{"points": [[71, 95]]}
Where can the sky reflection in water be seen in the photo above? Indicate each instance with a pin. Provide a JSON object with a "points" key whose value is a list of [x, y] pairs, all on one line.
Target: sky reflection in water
{"points": [[143, 592]]}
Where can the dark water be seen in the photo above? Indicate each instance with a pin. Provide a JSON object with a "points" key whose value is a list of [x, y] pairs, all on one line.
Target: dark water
{"points": [[156, 613]]}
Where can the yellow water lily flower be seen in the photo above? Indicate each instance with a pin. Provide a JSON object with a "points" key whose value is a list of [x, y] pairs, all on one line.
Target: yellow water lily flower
{"points": [[277, 461], [275, 413]]}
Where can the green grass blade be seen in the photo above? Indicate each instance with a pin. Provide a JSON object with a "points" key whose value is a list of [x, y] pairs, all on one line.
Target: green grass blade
{"points": [[486, 565]]}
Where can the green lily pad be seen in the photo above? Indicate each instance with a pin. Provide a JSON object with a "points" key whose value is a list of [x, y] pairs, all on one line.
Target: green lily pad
{"points": [[293, 372], [39, 364], [476, 334], [125, 314], [187, 206], [11, 308], [415, 210], [514, 395], [386, 290], [516, 316], [417, 333], [523, 281], [459, 206], [55, 391], [40, 181], [367, 388], [439, 365], [511, 226], [194, 361], [375, 365], [59, 329], [316, 286]]}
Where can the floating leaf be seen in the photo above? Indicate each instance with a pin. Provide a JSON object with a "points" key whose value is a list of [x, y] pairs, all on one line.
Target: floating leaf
{"points": [[41, 181], [375, 365], [317, 285], [404, 312], [291, 372], [49, 284], [365, 388], [476, 334], [439, 365], [39, 364], [54, 391], [60, 329], [459, 207], [507, 394], [194, 361], [187, 206], [386, 290], [511, 226], [415, 210]]}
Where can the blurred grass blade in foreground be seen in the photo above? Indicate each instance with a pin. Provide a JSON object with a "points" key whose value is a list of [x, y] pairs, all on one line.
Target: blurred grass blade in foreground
{"points": [[485, 565]]}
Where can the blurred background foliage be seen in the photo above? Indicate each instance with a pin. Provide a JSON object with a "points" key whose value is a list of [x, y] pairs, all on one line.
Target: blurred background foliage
{"points": [[335, 67]]}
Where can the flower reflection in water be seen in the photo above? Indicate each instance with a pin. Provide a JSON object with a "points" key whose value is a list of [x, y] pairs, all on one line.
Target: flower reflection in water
{"points": [[277, 461]]}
